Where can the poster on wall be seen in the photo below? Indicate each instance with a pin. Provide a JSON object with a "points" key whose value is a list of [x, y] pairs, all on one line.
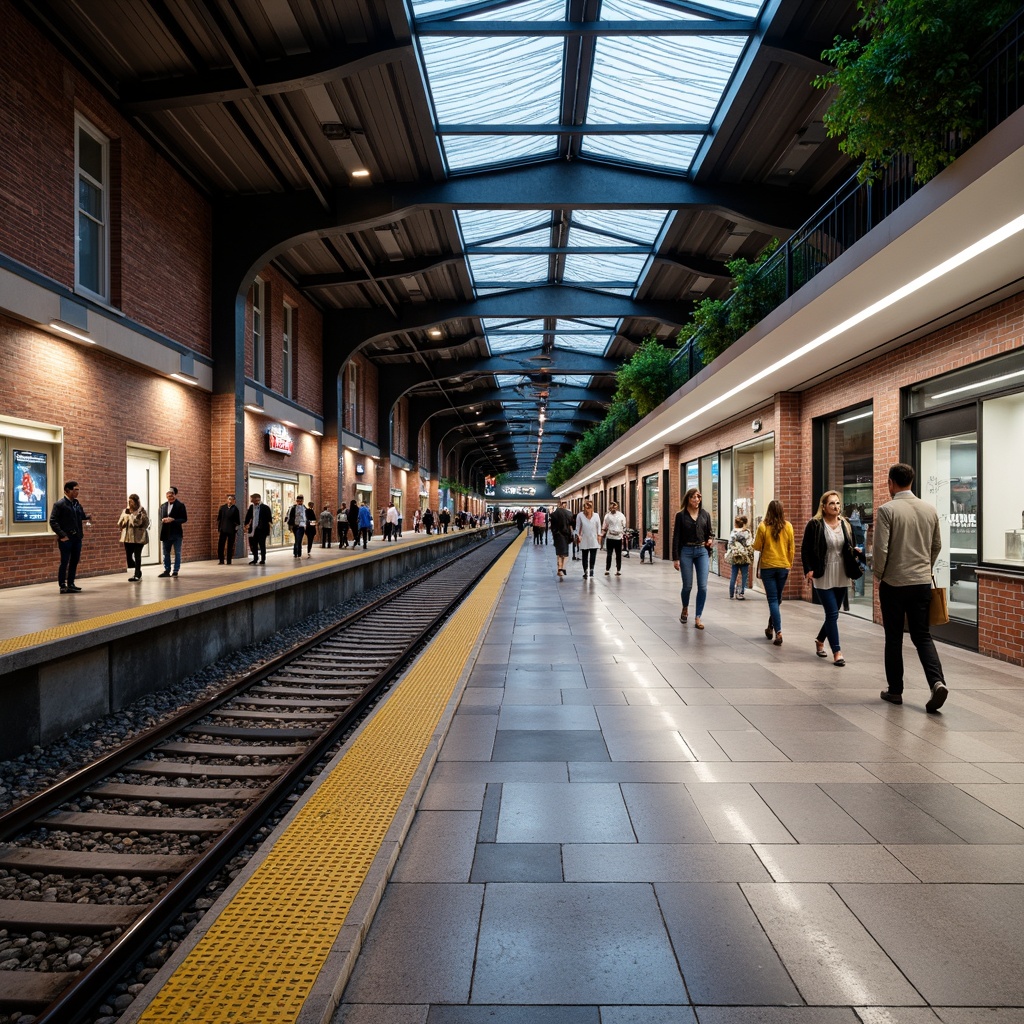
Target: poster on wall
{"points": [[490, 482], [29, 486]]}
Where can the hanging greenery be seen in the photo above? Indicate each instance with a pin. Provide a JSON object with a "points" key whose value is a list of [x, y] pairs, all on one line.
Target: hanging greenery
{"points": [[646, 379], [907, 82]]}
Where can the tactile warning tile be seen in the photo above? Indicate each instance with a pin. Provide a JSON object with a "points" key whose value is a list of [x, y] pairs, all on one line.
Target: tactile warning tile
{"points": [[260, 958]]}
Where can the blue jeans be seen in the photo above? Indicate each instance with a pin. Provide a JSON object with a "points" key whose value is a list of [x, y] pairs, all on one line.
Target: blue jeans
{"points": [[70, 553], [298, 536], [831, 601], [742, 572], [174, 542], [694, 559], [774, 580]]}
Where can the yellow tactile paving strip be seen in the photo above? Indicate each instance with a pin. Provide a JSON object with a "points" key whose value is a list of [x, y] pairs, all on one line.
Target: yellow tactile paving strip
{"points": [[69, 629], [260, 958]]}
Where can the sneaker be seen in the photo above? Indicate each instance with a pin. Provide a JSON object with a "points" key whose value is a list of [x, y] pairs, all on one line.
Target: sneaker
{"points": [[72, 589], [938, 698], [164, 573], [618, 574], [891, 698], [607, 572], [175, 573], [740, 597]]}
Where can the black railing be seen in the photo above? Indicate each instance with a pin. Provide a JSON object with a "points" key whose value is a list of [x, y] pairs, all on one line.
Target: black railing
{"points": [[858, 207]]}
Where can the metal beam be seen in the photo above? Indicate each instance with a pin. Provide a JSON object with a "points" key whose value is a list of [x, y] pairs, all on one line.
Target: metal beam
{"points": [[570, 29]]}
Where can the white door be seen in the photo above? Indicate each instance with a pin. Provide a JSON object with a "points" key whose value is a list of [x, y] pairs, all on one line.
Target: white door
{"points": [[144, 480]]}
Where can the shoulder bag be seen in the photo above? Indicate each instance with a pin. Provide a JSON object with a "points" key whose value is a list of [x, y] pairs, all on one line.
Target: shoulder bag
{"points": [[938, 610]]}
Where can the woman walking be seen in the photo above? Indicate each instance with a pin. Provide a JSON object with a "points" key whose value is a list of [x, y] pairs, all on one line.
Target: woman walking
{"points": [[134, 522], [739, 555], [826, 552], [692, 537], [776, 543], [587, 528]]}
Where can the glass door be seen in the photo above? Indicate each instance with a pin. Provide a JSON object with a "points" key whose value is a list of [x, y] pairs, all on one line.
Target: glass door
{"points": [[143, 476], [946, 452]]}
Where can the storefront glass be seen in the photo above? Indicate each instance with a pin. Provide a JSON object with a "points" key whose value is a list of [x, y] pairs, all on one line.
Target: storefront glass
{"points": [[652, 504], [753, 480], [1003, 520]]}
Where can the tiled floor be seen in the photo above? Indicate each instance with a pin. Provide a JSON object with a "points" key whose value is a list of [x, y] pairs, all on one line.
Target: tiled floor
{"points": [[635, 822]]}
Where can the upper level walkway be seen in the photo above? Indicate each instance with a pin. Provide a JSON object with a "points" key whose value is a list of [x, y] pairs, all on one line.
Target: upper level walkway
{"points": [[635, 822]]}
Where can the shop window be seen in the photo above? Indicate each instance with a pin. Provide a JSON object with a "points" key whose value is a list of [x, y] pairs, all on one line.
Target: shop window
{"points": [[92, 210], [652, 504], [29, 477], [1002, 425], [287, 347], [753, 480], [259, 361]]}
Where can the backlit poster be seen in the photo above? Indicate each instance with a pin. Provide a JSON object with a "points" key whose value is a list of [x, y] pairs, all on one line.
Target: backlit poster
{"points": [[29, 486]]}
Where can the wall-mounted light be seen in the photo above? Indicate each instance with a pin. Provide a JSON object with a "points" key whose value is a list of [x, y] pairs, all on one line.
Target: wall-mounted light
{"points": [[254, 408], [317, 433], [72, 332], [435, 332], [186, 378]]}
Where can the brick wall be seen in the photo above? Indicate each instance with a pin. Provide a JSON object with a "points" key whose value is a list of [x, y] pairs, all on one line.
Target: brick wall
{"points": [[160, 225], [103, 405], [1001, 618]]}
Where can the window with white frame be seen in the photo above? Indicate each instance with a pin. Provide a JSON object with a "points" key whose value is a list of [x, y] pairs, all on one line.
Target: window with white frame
{"points": [[92, 210], [352, 397], [287, 345], [259, 368]]}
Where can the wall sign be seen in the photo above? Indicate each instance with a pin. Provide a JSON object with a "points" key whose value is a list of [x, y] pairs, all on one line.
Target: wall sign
{"points": [[29, 486], [279, 440], [360, 468]]}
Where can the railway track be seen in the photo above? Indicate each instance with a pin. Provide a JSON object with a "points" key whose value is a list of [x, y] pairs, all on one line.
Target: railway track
{"points": [[149, 825]]}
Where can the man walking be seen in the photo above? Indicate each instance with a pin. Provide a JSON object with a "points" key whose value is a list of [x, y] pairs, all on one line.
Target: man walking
{"points": [[67, 520], [365, 524], [612, 529], [907, 542], [228, 522], [391, 522], [172, 515], [561, 534], [297, 524], [258, 518], [326, 527]]}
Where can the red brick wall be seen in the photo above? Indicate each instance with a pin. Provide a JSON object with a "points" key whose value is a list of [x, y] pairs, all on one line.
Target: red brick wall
{"points": [[160, 224], [103, 405], [1001, 618]]}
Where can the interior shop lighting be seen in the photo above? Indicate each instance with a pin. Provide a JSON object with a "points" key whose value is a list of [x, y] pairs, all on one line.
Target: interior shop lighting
{"points": [[186, 378], [859, 416], [979, 384], [940, 270], [71, 332]]}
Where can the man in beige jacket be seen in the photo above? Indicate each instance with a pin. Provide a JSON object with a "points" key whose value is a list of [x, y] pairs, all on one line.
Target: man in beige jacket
{"points": [[907, 542]]}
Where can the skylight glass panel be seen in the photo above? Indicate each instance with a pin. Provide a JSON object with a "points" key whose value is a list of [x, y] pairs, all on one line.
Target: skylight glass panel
{"points": [[466, 152], [510, 380], [640, 10], [539, 239], [633, 225], [660, 79], [482, 225], [611, 268], [572, 380], [529, 10], [665, 152], [574, 336], [503, 343], [481, 80], [489, 270], [513, 335]]}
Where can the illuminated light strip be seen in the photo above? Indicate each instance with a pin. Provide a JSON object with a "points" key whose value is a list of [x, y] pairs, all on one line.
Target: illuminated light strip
{"points": [[990, 240], [859, 416], [979, 384]]}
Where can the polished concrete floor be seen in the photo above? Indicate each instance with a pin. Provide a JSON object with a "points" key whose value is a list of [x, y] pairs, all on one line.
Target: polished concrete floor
{"points": [[635, 822]]}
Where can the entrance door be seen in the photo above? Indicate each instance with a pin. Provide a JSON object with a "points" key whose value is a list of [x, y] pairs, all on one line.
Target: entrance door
{"points": [[946, 451], [143, 478]]}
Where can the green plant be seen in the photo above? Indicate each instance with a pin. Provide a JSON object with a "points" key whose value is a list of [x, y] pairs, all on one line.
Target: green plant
{"points": [[907, 82], [646, 378]]}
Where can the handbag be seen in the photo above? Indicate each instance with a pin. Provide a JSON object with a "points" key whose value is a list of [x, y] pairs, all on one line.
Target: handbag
{"points": [[938, 610], [851, 563]]}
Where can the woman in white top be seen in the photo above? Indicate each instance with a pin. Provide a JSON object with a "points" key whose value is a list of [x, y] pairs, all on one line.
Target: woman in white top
{"points": [[825, 552], [588, 527]]}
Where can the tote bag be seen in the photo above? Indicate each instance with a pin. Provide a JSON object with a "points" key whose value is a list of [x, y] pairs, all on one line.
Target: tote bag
{"points": [[938, 610]]}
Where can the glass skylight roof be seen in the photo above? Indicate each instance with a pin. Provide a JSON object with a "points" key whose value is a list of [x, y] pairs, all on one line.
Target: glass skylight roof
{"points": [[651, 94]]}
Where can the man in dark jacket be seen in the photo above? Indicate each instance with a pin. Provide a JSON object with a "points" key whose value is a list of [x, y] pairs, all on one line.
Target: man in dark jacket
{"points": [[258, 518], [67, 520], [172, 515], [228, 521]]}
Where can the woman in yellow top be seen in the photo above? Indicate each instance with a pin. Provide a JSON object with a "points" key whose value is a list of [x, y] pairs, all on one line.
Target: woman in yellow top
{"points": [[775, 541]]}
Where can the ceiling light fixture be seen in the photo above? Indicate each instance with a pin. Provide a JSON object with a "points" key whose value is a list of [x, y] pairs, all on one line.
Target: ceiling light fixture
{"points": [[859, 416], [982, 245], [72, 332], [360, 172], [252, 407], [186, 378], [979, 384]]}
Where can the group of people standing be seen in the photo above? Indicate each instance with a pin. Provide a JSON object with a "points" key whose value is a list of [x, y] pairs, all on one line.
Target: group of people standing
{"points": [[907, 543]]}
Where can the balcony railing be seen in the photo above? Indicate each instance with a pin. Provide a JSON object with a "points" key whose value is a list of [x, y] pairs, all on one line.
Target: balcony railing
{"points": [[858, 207]]}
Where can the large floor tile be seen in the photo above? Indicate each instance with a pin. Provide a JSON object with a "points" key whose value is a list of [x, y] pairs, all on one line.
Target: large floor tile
{"points": [[664, 813], [1007, 799], [809, 814], [563, 813], [547, 717], [828, 953], [735, 813], [517, 862], [549, 745], [887, 816], [960, 812], [959, 945], [716, 938], [832, 863], [963, 863], [574, 944], [661, 862]]}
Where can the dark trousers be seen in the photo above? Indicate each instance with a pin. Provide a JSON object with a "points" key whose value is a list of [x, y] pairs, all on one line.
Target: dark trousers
{"points": [[133, 556], [325, 537], [387, 530], [298, 536], [365, 532], [258, 547], [226, 547], [610, 546], [310, 534], [910, 603], [342, 535], [588, 557], [70, 553]]}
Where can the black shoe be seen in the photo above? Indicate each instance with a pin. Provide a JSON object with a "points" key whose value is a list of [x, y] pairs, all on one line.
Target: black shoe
{"points": [[175, 573], [164, 574], [938, 698], [263, 561], [64, 590], [254, 562], [891, 698], [221, 562], [72, 589]]}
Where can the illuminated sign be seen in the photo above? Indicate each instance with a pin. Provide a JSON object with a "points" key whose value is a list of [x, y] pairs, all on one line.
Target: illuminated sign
{"points": [[279, 440]]}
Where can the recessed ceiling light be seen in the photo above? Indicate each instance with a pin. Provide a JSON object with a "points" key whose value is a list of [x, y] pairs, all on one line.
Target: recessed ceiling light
{"points": [[360, 172]]}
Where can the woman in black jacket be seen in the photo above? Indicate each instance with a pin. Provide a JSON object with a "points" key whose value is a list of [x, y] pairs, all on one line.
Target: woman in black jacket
{"points": [[692, 537], [826, 551]]}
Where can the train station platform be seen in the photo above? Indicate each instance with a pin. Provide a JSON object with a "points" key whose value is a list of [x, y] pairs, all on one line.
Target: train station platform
{"points": [[67, 659], [620, 819]]}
